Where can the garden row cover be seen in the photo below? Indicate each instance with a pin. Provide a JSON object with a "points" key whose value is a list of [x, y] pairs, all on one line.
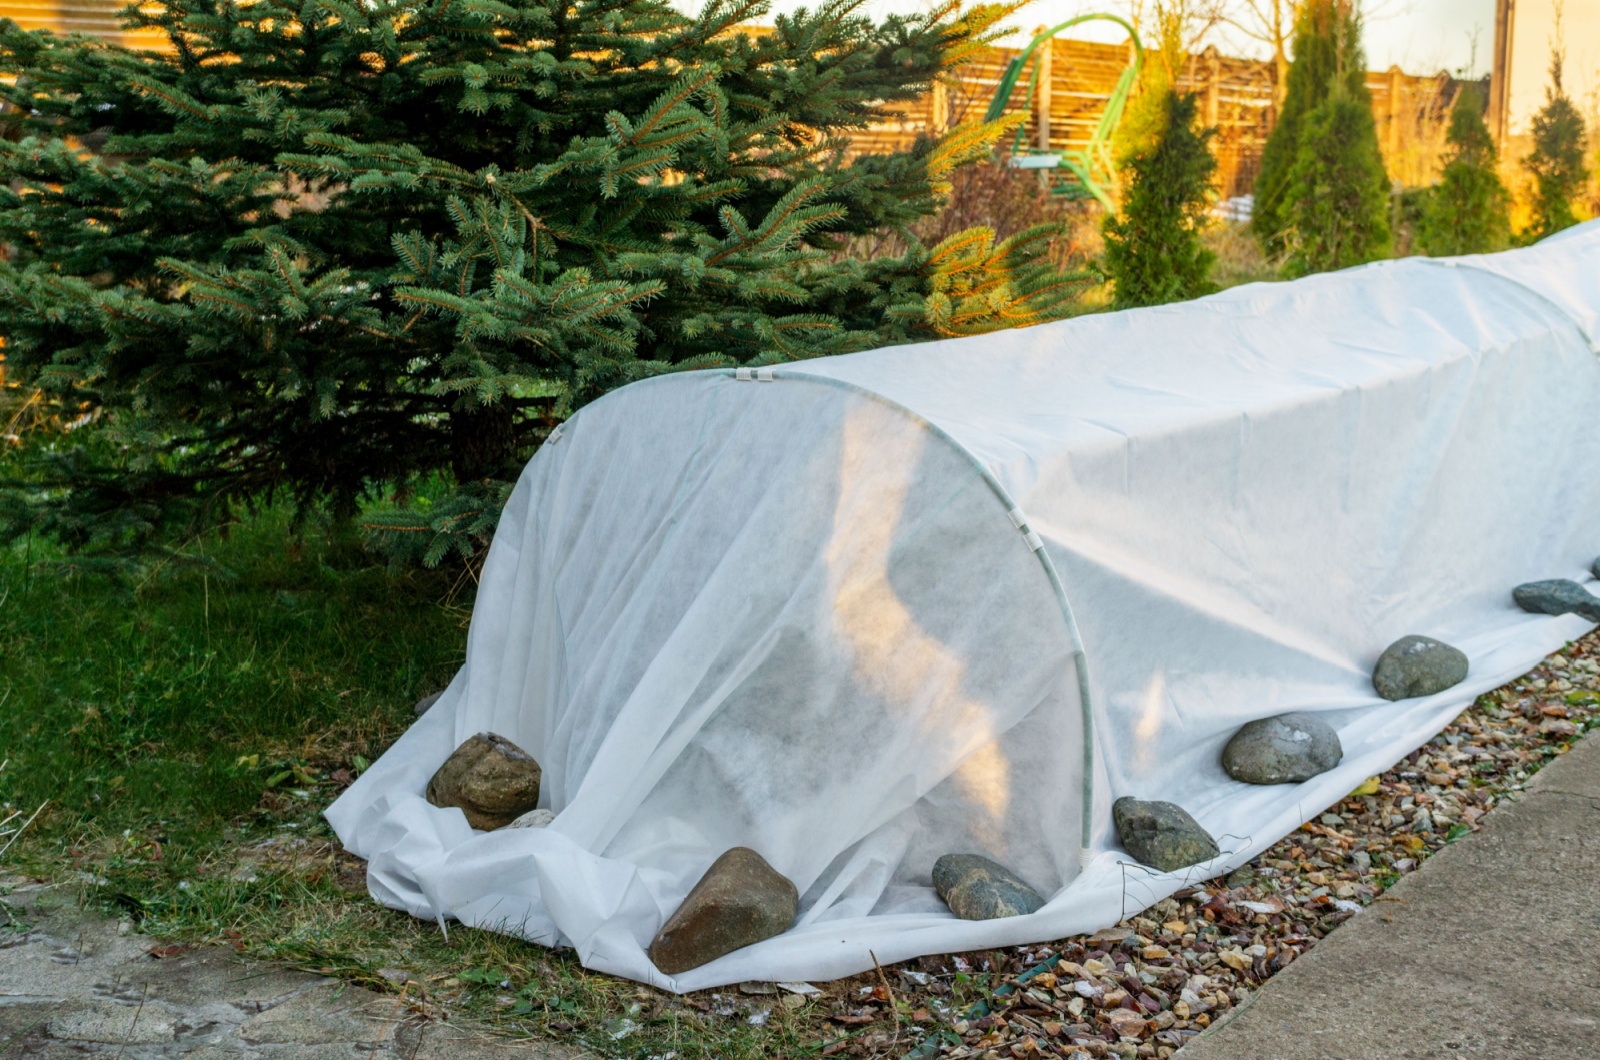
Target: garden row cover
{"points": [[840, 615]]}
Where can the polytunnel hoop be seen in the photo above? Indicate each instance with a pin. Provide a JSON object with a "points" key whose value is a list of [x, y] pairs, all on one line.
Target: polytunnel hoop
{"points": [[1561, 311], [1080, 661]]}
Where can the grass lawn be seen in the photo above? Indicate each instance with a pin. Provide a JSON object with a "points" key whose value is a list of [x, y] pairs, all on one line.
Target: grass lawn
{"points": [[184, 728]]}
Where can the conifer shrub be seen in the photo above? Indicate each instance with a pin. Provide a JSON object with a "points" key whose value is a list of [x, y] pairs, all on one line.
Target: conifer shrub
{"points": [[1327, 55], [1468, 212], [1338, 192], [1557, 162], [1154, 252], [337, 251]]}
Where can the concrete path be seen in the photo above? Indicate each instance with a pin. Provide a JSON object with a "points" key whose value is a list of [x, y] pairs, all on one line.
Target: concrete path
{"points": [[1490, 949], [75, 985]]}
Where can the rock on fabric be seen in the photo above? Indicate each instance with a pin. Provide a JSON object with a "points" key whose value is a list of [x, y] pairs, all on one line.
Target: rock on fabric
{"points": [[833, 612]]}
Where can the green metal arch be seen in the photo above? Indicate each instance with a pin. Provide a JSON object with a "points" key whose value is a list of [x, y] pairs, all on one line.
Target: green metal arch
{"points": [[1097, 155]]}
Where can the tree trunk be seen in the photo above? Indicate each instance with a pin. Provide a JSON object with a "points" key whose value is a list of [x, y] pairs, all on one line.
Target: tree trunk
{"points": [[483, 442]]}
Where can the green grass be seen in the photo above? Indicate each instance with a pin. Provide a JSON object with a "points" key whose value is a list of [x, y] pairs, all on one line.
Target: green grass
{"points": [[185, 727], [172, 695]]}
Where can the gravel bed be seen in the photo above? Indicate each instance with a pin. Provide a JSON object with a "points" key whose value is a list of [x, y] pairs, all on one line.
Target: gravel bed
{"points": [[1144, 987]]}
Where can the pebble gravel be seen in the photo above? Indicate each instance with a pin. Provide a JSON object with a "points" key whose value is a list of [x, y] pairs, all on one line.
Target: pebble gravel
{"points": [[1144, 987]]}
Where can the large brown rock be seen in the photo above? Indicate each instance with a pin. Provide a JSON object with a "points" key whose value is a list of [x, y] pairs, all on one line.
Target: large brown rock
{"points": [[491, 779], [738, 902]]}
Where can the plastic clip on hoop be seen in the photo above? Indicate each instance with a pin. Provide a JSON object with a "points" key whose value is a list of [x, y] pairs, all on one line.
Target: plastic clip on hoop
{"points": [[1020, 521], [760, 375]]}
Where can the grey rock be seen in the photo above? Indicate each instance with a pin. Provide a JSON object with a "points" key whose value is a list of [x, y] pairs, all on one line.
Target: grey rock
{"points": [[491, 779], [534, 819], [1558, 596], [738, 902], [426, 703], [976, 888], [1162, 834], [1282, 750], [1418, 666]]}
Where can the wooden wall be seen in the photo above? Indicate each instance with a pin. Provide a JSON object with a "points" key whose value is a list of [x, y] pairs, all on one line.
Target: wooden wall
{"points": [[102, 18], [1236, 97]]}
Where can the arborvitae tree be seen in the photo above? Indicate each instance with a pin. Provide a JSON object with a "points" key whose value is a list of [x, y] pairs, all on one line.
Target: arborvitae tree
{"points": [[1468, 211], [1338, 191], [334, 250], [1145, 120], [1557, 161], [1153, 250], [1327, 54]]}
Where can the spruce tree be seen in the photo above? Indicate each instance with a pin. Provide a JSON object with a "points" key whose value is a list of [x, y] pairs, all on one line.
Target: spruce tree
{"points": [[332, 251], [1327, 54], [1468, 211], [1557, 161], [1338, 191], [1153, 250]]}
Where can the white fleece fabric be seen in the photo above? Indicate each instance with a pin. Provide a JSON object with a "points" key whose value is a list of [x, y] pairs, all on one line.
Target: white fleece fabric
{"points": [[958, 597]]}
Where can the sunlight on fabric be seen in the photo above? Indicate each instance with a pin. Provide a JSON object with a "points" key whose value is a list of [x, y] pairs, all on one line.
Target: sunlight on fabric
{"points": [[907, 668], [1147, 730]]}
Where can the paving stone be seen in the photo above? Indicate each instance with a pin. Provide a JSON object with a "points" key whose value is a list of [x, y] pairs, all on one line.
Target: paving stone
{"points": [[74, 986]]}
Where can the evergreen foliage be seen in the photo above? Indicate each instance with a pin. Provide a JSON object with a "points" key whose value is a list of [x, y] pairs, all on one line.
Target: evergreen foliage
{"points": [[1145, 120], [1338, 192], [1468, 211], [1153, 250], [1327, 56], [336, 250], [1557, 160]]}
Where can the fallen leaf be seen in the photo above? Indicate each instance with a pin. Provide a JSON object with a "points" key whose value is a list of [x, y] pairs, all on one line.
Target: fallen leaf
{"points": [[1235, 959], [1370, 786]]}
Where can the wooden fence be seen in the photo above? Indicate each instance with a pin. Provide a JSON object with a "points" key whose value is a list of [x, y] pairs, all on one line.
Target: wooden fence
{"points": [[102, 18], [1237, 98]]}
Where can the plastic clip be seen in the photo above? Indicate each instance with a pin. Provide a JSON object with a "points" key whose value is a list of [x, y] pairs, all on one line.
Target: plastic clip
{"points": [[763, 375], [744, 375]]}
